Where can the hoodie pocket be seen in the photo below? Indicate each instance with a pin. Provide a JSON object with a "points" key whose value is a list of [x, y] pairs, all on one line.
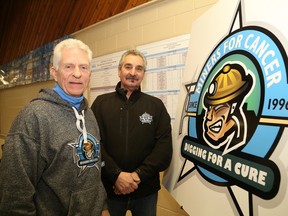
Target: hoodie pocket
{"points": [[86, 202]]}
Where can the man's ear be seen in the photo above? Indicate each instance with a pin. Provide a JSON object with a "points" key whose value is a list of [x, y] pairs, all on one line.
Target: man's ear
{"points": [[53, 72], [119, 71]]}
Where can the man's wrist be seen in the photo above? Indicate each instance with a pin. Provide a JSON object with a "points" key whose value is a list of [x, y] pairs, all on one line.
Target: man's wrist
{"points": [[138, 172], [116, 174]]}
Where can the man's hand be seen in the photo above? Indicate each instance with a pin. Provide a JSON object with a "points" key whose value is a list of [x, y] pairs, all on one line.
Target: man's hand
{"points": [[125, 183], [105, 213], [135, 177]]}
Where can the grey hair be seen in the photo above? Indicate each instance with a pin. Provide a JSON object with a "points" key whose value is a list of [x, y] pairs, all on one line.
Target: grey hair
{"points": [[69, 43], [135, 53]]}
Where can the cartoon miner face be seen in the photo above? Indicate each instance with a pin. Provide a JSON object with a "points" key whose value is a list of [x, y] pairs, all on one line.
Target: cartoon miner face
{"points": [[222, 101], [88, 149], [217, 120]]}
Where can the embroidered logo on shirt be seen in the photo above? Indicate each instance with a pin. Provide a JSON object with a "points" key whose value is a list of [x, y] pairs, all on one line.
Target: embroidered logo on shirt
{"points": [[146, 118], [86, 154]]}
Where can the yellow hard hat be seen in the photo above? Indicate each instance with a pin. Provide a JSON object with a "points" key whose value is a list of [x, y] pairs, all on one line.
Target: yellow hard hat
{"points": [[229, 84]]}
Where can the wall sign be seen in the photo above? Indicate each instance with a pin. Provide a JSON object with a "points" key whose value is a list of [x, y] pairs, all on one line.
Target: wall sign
{"points": [[31, 67], [237, 111]]}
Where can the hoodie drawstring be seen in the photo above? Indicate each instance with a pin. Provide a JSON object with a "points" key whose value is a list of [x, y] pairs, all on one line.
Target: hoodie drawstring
{"points": [[80, 118]]}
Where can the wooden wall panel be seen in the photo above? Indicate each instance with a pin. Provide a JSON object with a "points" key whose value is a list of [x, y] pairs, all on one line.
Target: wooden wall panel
{"points": [[27, 25]]}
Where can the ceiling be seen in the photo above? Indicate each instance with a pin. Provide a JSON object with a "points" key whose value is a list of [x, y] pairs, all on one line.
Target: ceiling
{"points": [[28, 24]]}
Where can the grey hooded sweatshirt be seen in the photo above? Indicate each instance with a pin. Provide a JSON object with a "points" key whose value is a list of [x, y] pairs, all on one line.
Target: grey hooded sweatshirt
{"points": [[50, 165]]}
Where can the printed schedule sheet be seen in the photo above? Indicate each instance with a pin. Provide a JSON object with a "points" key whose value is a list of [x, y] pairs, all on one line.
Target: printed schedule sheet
{"points": [[165, 67]]}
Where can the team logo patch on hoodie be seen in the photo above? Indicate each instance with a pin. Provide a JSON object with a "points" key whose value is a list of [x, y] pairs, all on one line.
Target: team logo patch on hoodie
{"points": [[146, 118], [86, 155]]}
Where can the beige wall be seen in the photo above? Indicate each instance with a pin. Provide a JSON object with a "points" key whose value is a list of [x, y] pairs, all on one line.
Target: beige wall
{"points": [[154, 21], [157, 20]]}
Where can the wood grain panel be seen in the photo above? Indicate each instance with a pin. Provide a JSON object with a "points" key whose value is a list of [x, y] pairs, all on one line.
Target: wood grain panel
{"points": [[27, 25]]}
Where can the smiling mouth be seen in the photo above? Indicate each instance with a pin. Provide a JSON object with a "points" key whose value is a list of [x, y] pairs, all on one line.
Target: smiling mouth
{"points": [[216, 126]]}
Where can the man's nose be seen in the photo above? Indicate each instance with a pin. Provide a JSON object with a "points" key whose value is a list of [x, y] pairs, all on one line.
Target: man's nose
{"points": [[77, 72], [133, 71]]}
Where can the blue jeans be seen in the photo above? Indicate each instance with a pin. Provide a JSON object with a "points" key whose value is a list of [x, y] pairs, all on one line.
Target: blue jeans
{"points": [[145, 206]]}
